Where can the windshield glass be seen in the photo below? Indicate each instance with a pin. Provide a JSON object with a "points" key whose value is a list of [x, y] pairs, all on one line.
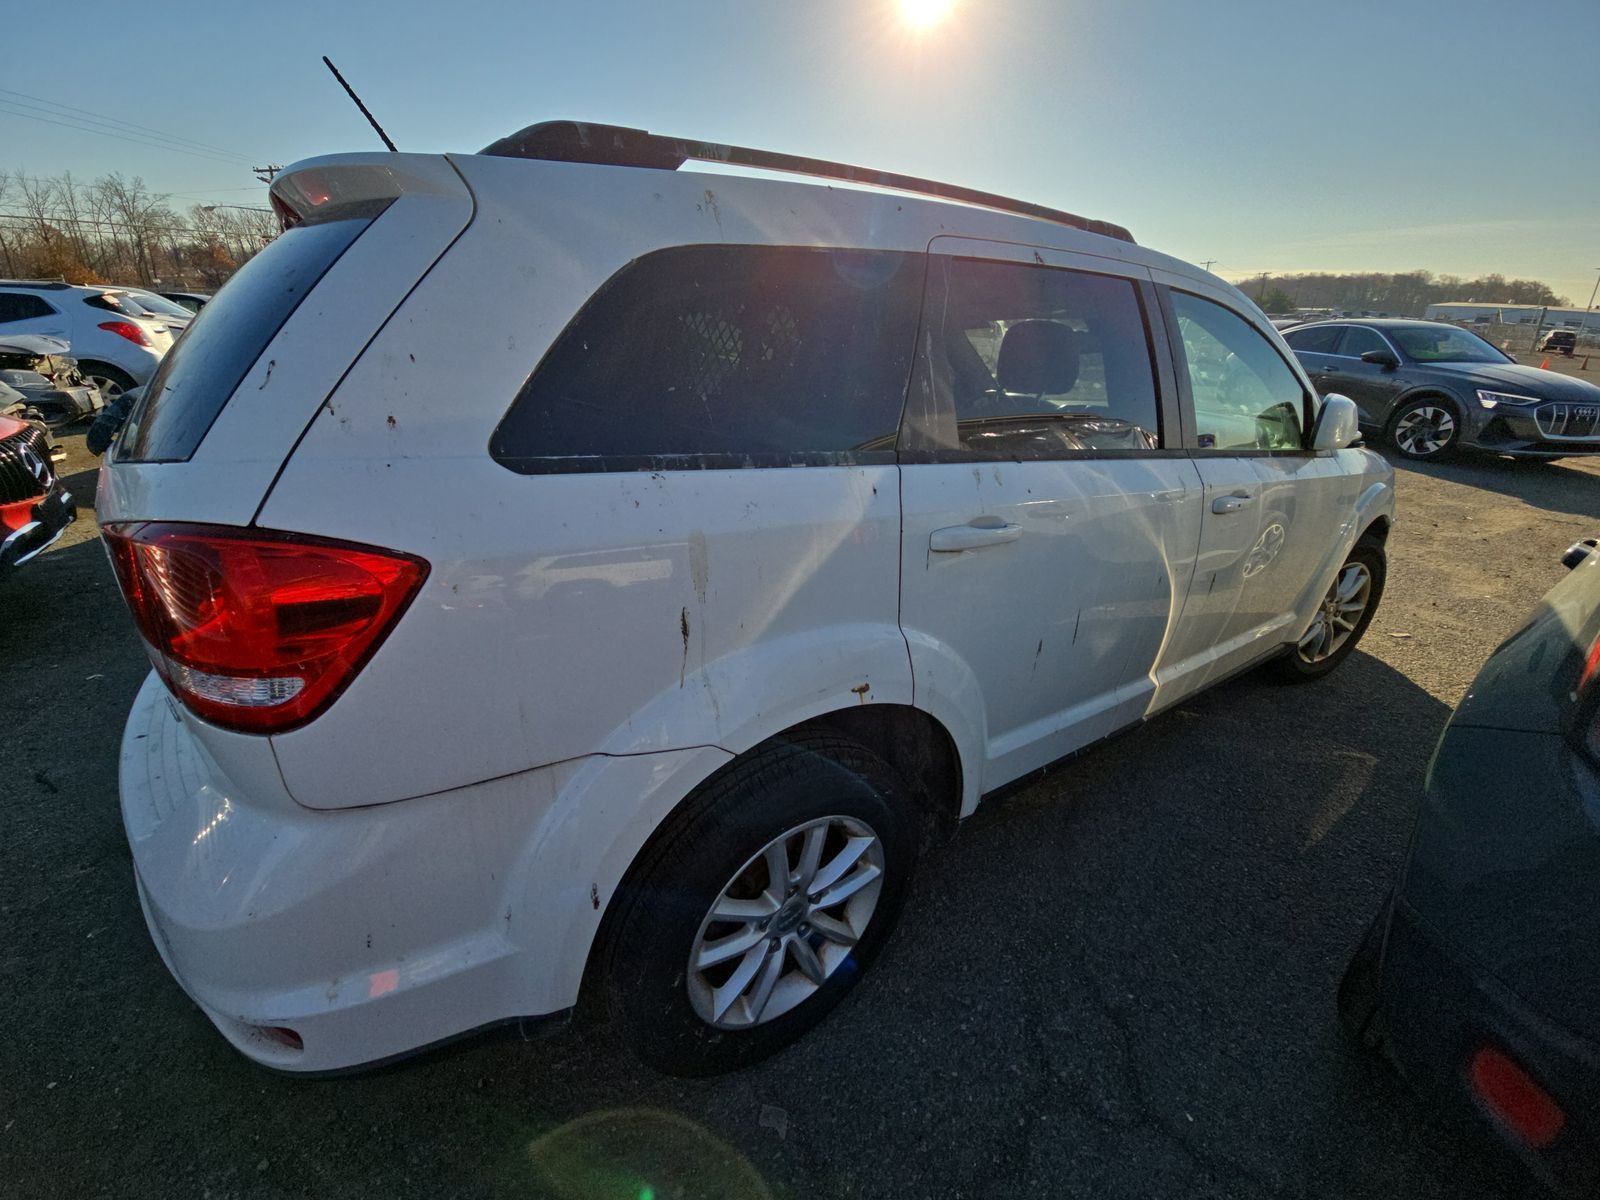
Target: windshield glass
{"points": [[1444, 343]]}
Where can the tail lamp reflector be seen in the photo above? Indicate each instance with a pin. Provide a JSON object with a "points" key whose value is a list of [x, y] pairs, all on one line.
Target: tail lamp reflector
{"points": [[1511, 1094], [257, 630]]}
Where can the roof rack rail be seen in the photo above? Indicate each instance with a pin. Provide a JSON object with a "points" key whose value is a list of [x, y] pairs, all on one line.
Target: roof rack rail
{"points": [[35, 283], [619, 146]]}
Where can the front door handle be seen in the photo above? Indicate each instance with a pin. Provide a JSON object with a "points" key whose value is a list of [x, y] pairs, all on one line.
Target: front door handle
{"points": [[980, 531], [1233, 503]]}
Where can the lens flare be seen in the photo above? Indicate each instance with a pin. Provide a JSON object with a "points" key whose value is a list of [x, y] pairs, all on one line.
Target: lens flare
{"points": [[925, 14]]}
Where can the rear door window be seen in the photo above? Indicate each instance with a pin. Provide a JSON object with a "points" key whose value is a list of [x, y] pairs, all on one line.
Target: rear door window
{"points": [[725, 356], [201, 371], [1317, 339], [1358, 339], [1033, 362]]}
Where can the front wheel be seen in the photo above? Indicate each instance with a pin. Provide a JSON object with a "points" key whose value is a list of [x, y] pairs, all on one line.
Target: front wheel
{"points": [[1341, 617], [1426, 430], [760, 905]]}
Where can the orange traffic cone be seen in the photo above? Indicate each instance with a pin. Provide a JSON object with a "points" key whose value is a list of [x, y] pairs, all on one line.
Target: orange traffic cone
{"points": [[1545, 365]]}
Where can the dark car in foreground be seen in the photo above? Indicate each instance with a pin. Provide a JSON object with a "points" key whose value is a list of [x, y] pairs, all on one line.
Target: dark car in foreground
{"points": [[34, 507], [1480, 978], [1431, 389]]}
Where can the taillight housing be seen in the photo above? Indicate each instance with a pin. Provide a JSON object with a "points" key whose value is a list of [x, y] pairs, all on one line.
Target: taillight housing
{"points": [[128, 330], [253, 629]]}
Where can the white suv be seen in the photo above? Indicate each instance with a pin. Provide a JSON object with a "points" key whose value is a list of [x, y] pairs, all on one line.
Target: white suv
{"points": [[571, 576], [118, 343]]}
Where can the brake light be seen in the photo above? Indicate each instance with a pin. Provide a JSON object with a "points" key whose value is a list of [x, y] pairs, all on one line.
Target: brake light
{"points": [[128, 330], [256, 630]]}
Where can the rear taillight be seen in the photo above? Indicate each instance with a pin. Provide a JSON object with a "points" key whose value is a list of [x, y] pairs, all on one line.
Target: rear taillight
{"points": [[128, 330], [256, 630]]}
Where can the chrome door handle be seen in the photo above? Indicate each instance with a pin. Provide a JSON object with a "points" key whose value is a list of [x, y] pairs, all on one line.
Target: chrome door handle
{"points": [[1228, 504], [992, 532]]}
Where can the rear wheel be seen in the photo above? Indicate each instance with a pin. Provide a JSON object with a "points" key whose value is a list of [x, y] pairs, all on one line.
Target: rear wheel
{"points": [[1427, 429], [111, 381], [1341, 617], [760, 905]]}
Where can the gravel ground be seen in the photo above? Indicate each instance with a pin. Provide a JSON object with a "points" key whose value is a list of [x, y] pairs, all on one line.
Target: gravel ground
{"points": [[1116, 983]]}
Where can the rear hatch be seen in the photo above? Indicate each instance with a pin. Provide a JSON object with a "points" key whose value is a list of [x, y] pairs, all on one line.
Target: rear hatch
{"points": [[251, 629]]}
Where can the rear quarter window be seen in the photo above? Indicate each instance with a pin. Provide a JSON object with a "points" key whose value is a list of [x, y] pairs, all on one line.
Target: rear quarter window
{"points": [[226, 337], [703, 357]]}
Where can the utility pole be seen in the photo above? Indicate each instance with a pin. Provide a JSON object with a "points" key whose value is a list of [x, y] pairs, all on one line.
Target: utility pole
{"points": [[1209, 262], [1589, 308], [267, 173]]}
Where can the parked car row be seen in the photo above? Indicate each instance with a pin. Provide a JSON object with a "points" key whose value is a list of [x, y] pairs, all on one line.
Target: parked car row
{"points": [[67, 354], [117, 341]]}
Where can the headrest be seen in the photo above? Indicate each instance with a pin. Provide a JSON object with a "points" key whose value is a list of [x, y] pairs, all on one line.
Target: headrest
{"points": [[1038, 358]]}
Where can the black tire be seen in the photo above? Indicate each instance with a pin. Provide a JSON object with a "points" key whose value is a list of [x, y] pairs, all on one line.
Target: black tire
{"points": [[1297, 667], [1410, 439], [726, 823], [1361, 986], [119, 379]]}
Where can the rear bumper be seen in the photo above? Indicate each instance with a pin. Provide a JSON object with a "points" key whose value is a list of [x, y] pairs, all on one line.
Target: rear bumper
{"points": [[370, 933], [34, 527], [1439, 1008], [1492, 941]]}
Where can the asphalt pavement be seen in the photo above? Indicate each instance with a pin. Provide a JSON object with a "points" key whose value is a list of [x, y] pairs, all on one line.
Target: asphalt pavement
{"points": [[1118, 982]]}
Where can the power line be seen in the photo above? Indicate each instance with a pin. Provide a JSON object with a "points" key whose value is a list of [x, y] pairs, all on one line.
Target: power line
{"points": [[126, 137], [171, 137]]}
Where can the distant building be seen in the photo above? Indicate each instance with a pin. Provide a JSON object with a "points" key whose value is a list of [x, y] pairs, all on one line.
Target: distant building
{"points": [[1517, 314]]}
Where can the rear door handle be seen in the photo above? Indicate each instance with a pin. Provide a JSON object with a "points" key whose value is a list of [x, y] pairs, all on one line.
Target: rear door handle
{"points": [[1233, 503], [980, 531]]}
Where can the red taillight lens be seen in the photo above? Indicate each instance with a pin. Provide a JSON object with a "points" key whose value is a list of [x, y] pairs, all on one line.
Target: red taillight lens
{"points": [[1511, 1094], [128, 330], [256, 630]]}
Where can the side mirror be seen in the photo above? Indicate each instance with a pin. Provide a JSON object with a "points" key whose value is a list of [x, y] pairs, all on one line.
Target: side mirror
{"points": [[1384, 358], [1338, 425]]}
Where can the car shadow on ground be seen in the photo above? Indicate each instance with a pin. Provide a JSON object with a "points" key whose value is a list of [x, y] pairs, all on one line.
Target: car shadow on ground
{"points": [[1117, 982], [1553, 486]]}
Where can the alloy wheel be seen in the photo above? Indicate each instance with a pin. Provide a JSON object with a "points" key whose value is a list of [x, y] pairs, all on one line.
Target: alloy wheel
{"points": [[109, 389], [1338, 614], [1425, 430], [785, 922]]}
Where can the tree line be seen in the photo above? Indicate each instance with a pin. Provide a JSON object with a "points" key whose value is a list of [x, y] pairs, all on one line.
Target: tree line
{"points": [[1401, 295], [116, 230]]}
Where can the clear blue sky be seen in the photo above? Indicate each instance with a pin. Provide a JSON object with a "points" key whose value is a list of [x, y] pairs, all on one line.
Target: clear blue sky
{"points": [[1281, 135]]}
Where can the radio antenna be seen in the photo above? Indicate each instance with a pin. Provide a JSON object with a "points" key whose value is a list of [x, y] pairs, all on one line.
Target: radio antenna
{"points": [[371, 120]]}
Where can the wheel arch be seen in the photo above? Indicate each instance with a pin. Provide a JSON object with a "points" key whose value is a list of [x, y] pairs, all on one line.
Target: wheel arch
{"points": [[912, 741], [1424, 391]]}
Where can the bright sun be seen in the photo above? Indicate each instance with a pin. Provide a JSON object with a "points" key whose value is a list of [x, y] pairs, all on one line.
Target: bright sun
{"points": [[924, 14]]}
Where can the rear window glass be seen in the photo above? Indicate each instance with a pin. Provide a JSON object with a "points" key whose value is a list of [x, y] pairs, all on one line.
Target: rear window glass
{"points": [[226, 337], [725, 356]]}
